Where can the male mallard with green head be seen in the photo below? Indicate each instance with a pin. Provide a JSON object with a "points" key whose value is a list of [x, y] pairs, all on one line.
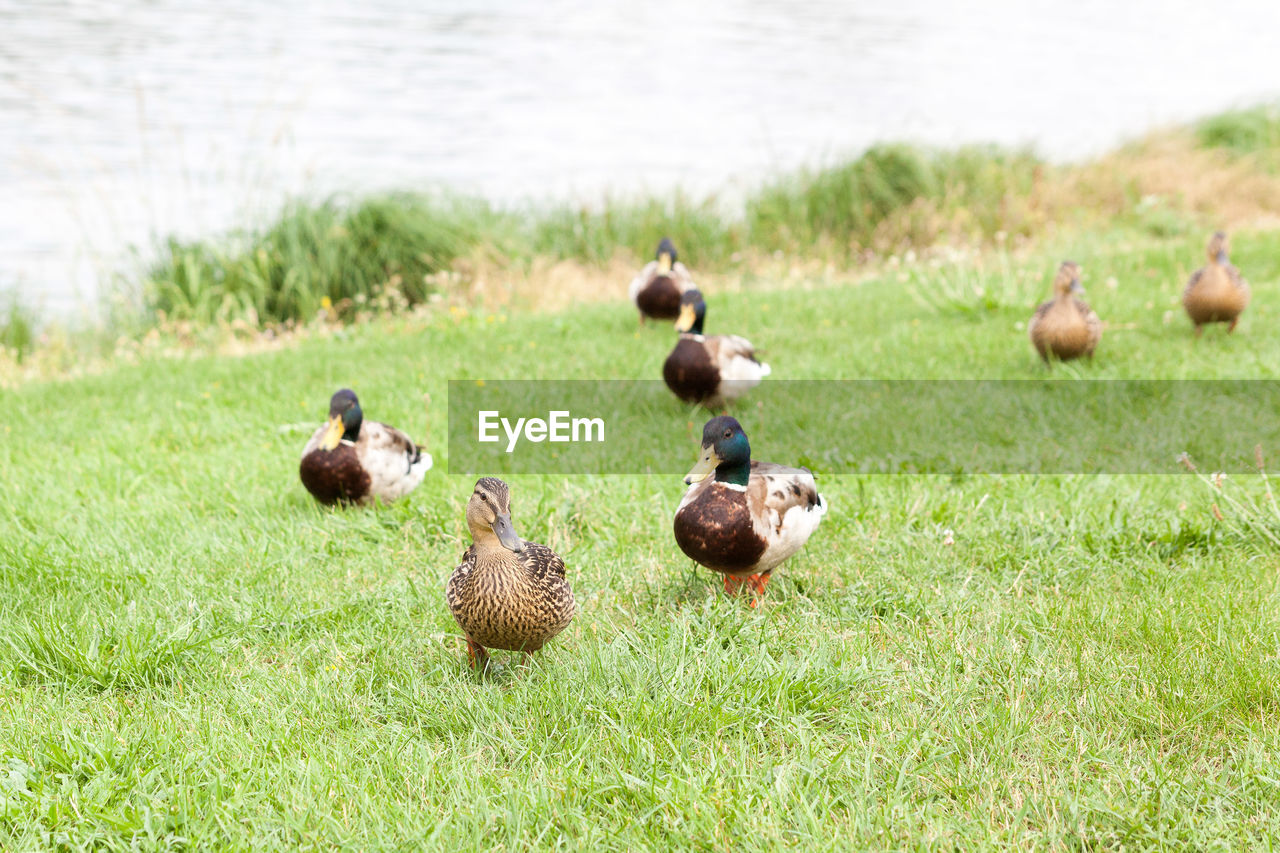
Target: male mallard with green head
{"points": [[750, 516], [713, 370], [354, 460], [1065, 327], [657, 287], [506, 593], [1216, 292]]}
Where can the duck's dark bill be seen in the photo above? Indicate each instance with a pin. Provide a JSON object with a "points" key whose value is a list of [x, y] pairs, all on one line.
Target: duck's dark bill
{"points": [[1049, 426], [506, 534]]}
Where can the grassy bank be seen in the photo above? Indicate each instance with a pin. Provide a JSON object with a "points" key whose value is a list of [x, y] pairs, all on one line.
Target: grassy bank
{"points": [[196, 655], [401, 249]]}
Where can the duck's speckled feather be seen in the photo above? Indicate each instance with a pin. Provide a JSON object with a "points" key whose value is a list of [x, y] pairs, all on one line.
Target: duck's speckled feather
{"points": [[507, 600]]}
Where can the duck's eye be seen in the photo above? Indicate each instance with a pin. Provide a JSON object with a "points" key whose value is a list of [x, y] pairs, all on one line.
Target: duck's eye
{"points": [[728, 433]]}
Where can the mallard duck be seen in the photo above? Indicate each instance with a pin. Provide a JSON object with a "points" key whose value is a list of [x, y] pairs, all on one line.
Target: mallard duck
{"points": [[506, 593], [1216, 292], [657, 287], [1065, 327], [750, 516], [713, 370], [353, 460]]}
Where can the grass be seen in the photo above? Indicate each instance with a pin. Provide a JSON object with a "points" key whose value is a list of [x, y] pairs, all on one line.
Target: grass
{"points": [[196, 655], [343, 255]]}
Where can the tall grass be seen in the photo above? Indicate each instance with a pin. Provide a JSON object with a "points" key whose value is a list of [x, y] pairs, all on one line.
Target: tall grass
{"points": [[17, 325], [336, 250], [1253, 131]]}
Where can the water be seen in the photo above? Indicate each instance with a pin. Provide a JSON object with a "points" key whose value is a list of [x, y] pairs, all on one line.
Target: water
{"points": [[128, 120]]}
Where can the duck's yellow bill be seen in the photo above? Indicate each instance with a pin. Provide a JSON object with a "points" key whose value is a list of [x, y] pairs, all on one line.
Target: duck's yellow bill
{"points": [[333, 433], [686, 319], [664, 263], [706, 466]]}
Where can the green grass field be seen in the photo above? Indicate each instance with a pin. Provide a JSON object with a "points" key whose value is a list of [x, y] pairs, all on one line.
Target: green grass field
{"points": [[196, 655]]}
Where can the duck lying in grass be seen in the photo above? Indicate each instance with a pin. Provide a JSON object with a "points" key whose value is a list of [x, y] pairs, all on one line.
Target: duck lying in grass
{"points": [[1065, 327], [352, 460], [1216, 292], [656, 289], [750, 516], [712, 370], [506, 593]]}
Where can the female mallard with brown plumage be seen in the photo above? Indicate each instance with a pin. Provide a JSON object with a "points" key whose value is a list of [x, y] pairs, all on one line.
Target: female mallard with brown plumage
{"points": [[656, 289], [1065, 327], [506, 593], [713, 370], [1216, 292], [750, 516], [352, 460]]}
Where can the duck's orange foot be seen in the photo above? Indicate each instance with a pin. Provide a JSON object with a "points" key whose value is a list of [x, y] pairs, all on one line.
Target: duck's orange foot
{"points": [[477, 655], [757, 583]]}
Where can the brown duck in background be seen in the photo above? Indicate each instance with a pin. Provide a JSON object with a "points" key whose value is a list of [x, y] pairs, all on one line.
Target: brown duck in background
{"points": [[506, 593], [657, 288], [1216, 292], [1065, 327]]}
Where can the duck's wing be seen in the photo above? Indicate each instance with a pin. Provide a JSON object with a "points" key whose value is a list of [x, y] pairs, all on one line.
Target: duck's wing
{"points": [[541, 561], [453, 591], [1236, 278], [777, 489], [735, 357], [1193, 281], [785, 508], [682, 277], [395, 464]]}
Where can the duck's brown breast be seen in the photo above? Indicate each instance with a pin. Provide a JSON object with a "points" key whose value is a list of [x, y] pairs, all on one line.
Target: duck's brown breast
{"points": [[1065, 328], [660, 298], [502, 605], [689, 371], [334, 475], [715, 530]]}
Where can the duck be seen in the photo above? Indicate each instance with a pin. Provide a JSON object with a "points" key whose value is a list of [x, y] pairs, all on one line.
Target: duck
{"points": [[506, 593], [351, 460], [740, 517], [713, 370], [1216, 293], [1065, 327], [657, 287]]}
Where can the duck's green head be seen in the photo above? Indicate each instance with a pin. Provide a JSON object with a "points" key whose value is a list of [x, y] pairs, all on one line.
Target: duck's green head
{"points": [[1218, 247], [666, 255], [345, 418], [725, 450], [489, 515], [693, 310]]}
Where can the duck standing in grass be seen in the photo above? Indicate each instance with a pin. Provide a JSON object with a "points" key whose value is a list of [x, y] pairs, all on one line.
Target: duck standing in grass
{"points": [[352, 460], [750, 516], [1216, 292], [506, 593], [712, 370], [656, 289], [1065, 327]]}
